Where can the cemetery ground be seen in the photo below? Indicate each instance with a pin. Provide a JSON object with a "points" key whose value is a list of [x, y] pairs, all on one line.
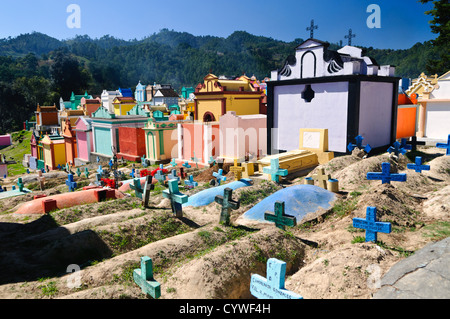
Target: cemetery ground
{"points": [[197, 257]]}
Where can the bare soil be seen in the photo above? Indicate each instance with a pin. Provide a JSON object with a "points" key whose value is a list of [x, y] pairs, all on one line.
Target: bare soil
{"points": [[195, 257]]}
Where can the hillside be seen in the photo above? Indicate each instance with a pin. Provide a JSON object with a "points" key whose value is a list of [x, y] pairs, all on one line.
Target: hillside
{"points": [[35, 68]]}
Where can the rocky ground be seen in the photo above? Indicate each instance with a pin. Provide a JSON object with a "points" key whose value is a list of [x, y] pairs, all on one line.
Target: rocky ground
{"points": [[195, 257]]}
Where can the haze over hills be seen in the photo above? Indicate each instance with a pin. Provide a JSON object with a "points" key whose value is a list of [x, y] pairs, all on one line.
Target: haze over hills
{"points": [[36, 68]]}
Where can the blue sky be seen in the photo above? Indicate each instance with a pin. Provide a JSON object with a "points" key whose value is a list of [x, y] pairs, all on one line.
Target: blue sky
{"points": [[403, 22]]}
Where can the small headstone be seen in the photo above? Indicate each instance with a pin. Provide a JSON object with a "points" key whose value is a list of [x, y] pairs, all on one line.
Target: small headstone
{"points": [[445, 146], [176, 198], [321, 178], [71, 183], [147, 188], [144, 278], [227, 204], [274, 170], [190, 182], [396, 149], [385, 176], [219, 176], [20, 184], [136, 186], [367, 148], [280, 218], [237, 170], [274, 286], [418, 166], [371, 225], [174, 175]]}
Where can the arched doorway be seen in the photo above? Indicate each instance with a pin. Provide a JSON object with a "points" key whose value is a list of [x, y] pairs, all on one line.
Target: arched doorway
{"points": [[209, 117]]}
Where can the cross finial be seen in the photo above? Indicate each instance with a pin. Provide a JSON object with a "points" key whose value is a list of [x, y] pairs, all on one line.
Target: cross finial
{"points": [[350, 36], [312, 28]]}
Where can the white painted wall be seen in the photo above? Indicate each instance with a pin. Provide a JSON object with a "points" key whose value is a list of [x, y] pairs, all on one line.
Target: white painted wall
{"points": [[375, 115], [328, 110], [437, 124]]}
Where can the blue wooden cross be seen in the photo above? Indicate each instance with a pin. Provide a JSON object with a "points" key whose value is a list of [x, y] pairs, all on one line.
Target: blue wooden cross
{"points": [[174, 175], [418, 167], [404, 144], [98, 159], [445, 146], [190, 182], [144, 162], [98, 179], [144, 278], [71, 183], [371, 225], [274, 286], [186, 164], [100, 170], [281, 220], [136, 186], [195, 160], [212, 161], [219, 176], [359, 145], [176, 198], [174, 163], [133, 172], [227, 204], [396, 149], [274, 170], [385, 176], [160, 176]]}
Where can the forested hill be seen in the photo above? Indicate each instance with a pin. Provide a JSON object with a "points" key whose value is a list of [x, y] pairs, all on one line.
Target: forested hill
{"points": [[36, 68]]}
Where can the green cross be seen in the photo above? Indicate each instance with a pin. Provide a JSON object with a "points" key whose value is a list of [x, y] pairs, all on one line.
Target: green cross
{"points": [[78, 172], [144, 278], [195, 159], [86, 172], [136, 186], [227, 204], [280, 218], [274, 170], [176, 198]]}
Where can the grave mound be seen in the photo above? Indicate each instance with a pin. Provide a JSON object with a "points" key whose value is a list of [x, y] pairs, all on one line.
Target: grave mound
{"points": [[207, 196], [300, 200]]}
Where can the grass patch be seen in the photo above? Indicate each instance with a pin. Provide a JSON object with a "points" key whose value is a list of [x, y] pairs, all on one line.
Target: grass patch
{"points": [[253, 196], [16, 151], [437, 231], [344, 207]]}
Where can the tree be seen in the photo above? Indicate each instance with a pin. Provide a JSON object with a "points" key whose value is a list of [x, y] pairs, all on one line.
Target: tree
{"points": [[440, 25]]}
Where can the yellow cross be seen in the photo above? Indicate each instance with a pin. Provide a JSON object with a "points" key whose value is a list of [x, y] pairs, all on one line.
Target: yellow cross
{"points": [[237, 170]]}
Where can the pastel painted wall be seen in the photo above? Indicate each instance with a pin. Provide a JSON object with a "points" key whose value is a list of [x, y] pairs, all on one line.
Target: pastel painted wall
{"points": [[437, 124], [201, 138], [83, 146], [375, 114], [328, 110], [161, 144], [242, 135], [406, 121], [3, 170], [131, 143], [213, 106], [103, 141]]}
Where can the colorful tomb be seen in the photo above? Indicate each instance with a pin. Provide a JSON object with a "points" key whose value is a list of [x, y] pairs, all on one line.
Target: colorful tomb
{"points": [[84, 141], [54, 151], [215, 97], [406, 116], [242, 136], [342, 91], [105, 129], [70, 143], [161, 140]]}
